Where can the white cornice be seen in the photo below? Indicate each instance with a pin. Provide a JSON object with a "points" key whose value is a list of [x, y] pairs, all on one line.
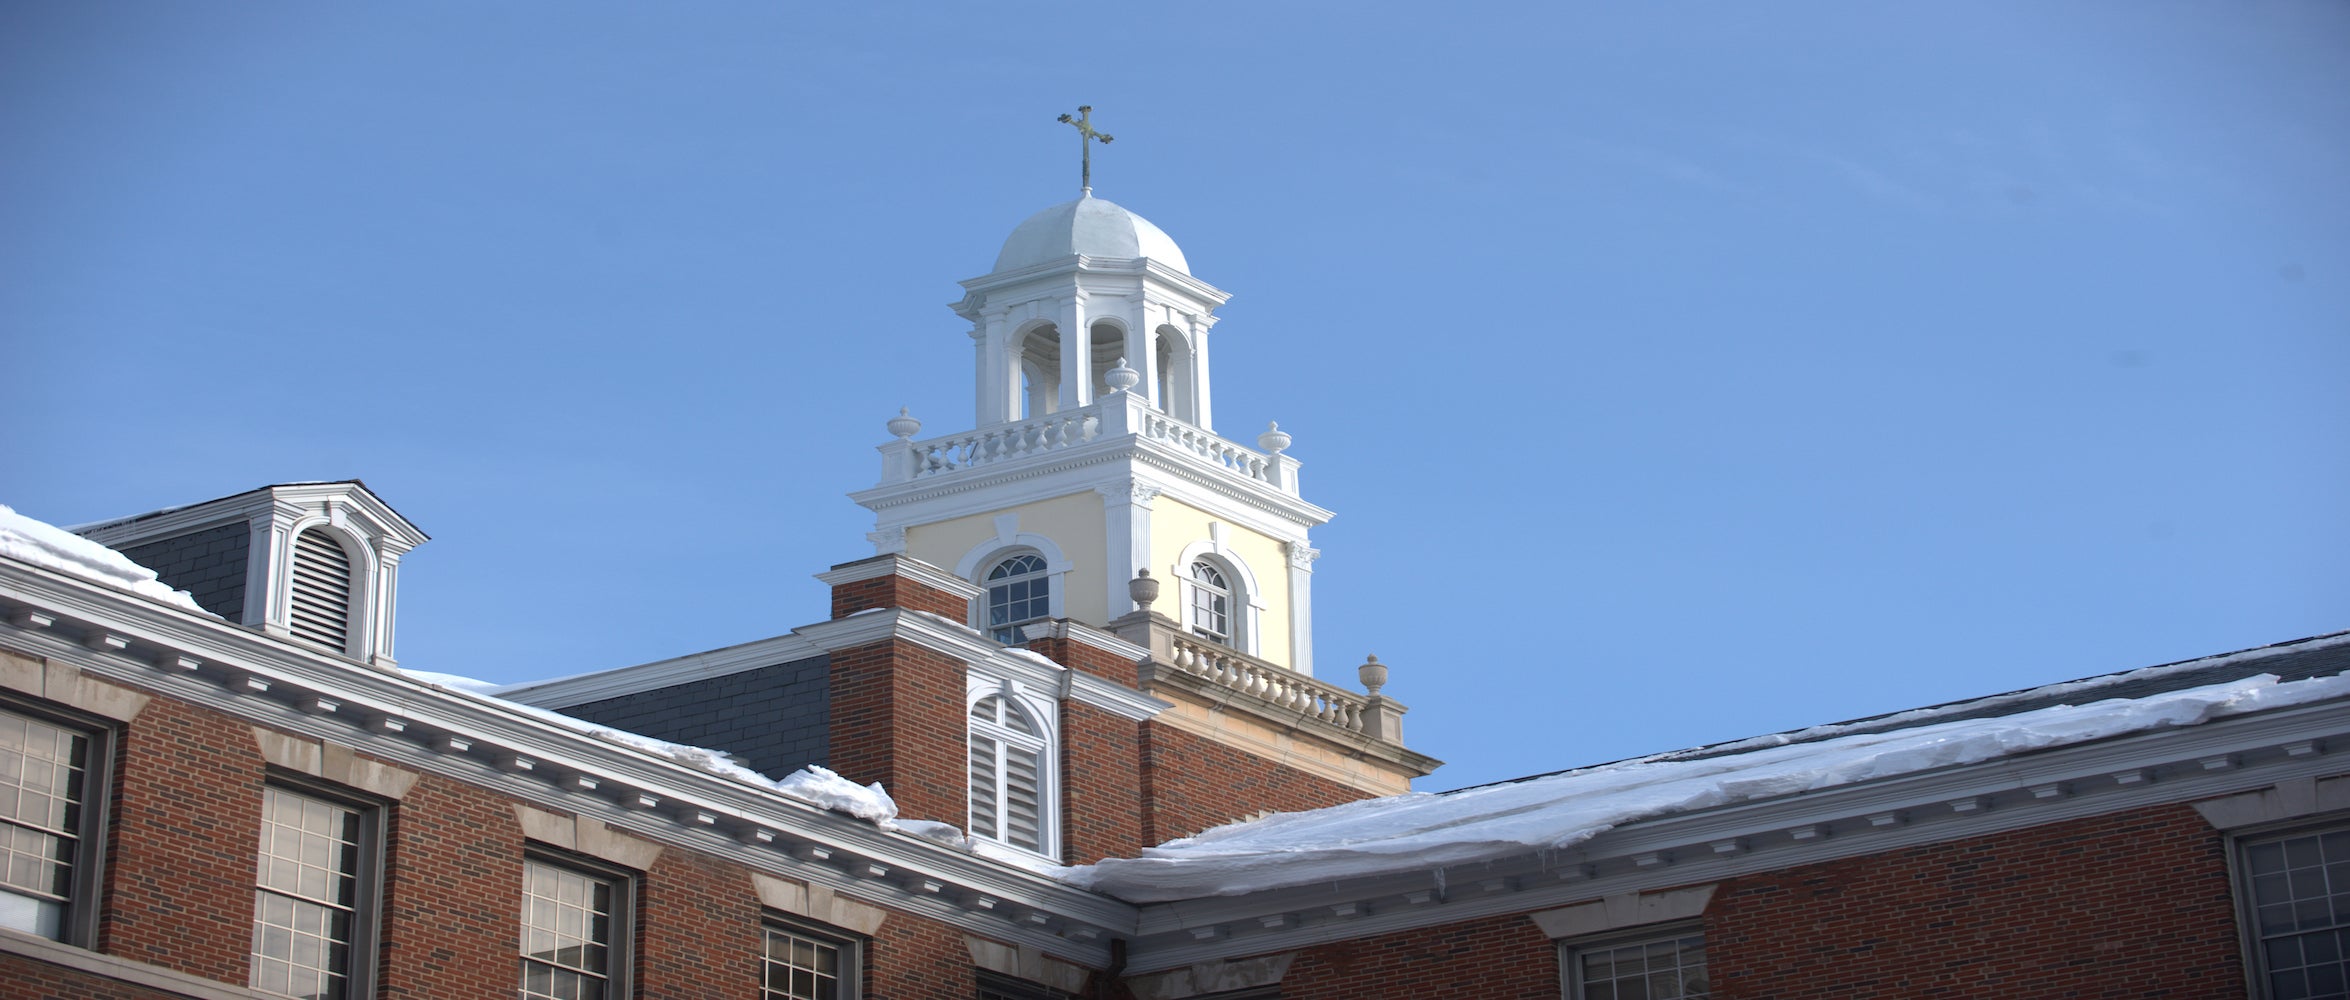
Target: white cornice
{"points": [[243, 506], [272, 682], [1056, 473], [2176, 765], [896, 564], [579, 689], [964, 643]]}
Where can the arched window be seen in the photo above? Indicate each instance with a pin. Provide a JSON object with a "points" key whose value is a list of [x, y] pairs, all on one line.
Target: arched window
{"points": [[1019, 589], [322, 590], [1007, 775], [1211, 603]]}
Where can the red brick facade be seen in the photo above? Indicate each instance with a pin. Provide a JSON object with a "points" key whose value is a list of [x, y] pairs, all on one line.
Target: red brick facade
{"points": [[178, 891], [898, 718], [895, 591], [2132, 904], [1190, 784], [1101, 802]]}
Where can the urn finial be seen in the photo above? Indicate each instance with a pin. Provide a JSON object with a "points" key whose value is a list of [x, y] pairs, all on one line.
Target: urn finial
{"points": [[1143, 590], [904, 425], [1274, 439], [1121, 378], [1373, 674]]}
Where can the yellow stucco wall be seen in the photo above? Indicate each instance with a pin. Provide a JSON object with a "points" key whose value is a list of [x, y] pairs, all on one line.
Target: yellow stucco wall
{"points": [[1073, 522], [1175, 525]]}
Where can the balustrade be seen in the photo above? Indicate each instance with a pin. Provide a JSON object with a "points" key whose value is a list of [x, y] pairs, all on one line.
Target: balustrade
{"points": [[1115, 416], [1230, 668]]}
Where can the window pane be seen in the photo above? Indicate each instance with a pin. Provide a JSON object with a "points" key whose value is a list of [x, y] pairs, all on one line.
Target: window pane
{"points": [[2301, 909], [304, 896], [804, 967], [1661, 969], [566, 933]]}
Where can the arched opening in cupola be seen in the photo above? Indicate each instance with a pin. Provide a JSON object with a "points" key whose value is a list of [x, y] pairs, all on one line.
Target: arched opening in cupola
{"points": [[1106, 343], [1174, 391], [1040, 372]]}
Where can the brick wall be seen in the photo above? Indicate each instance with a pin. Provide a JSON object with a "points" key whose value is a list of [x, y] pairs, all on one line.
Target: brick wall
{"points": [[208, 564], [773, 718], [180, 843], [185, 827], [2134, 904], [898, 718], [1497, 957], [452, 893], [1088, 659], [1190, 784], [1101, 774], [895, 591]]}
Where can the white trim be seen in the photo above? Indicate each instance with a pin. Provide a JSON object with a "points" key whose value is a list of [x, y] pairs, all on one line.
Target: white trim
{"points": [[1248, 604], [900, 564], [1624, 909], [985, 555], [1043, 712], [122, 970], [641, 793]]}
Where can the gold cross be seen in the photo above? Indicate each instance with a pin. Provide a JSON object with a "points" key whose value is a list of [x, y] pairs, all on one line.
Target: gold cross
{"points": [[1085, 139]]}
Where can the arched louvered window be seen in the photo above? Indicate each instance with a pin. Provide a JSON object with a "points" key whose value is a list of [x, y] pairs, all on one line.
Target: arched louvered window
{"points": [[1211, 603], [322, 590], [1018, 590], [1007, 775]]}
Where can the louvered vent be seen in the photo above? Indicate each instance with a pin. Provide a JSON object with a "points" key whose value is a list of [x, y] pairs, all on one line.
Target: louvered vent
{"points": [[322, 590], [1006, 775], [1020, 811]]}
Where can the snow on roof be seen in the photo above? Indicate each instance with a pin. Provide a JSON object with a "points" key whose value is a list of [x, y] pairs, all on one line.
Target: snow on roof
{"points": [[1419, 831], [50, 547], [814, 785]]}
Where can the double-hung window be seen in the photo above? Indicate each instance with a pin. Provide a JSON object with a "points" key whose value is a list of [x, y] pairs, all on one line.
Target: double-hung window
{"points": [[1669, 966], [802, 963], [575, 935], [313, 896], [2296, 891], [50, 769]]}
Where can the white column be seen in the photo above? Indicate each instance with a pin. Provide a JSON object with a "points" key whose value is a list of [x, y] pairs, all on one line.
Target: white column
{"points": [[386, 600], [1126, 516], [1139, 355], [268, 549], [1301, 606], [1076, 354], [1199, 372], [986, 387]]}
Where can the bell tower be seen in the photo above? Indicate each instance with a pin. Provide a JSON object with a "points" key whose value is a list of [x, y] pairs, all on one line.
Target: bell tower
{"points": [[1093, 457]]}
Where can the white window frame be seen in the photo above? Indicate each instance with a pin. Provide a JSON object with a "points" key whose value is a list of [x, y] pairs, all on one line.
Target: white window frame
{"points": [[1006, 543], [1043, 713], [366, 876], [848, 951], [2246, 878], [74, 920], [620, 940], [1248, 601], [1571, 952]]}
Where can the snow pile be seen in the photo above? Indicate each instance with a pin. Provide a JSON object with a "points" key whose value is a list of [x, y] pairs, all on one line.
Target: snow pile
{"points": [[813, 785], [50, 547], [1420, 831]]}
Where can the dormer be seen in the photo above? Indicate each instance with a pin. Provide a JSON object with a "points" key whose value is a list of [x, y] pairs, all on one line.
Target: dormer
{"points": [[315, 562]]}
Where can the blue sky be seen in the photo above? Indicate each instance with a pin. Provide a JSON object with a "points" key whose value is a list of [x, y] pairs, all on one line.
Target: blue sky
{"points": [[1677, 372]]}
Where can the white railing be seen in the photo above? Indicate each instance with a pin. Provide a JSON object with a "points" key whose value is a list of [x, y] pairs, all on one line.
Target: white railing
{"points": [[1119, 415], [1003, 442], [1230, 668], [1161, 427]]}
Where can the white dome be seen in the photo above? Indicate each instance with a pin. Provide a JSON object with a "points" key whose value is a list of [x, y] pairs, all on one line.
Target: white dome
{"points": [[1088, 226]]}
